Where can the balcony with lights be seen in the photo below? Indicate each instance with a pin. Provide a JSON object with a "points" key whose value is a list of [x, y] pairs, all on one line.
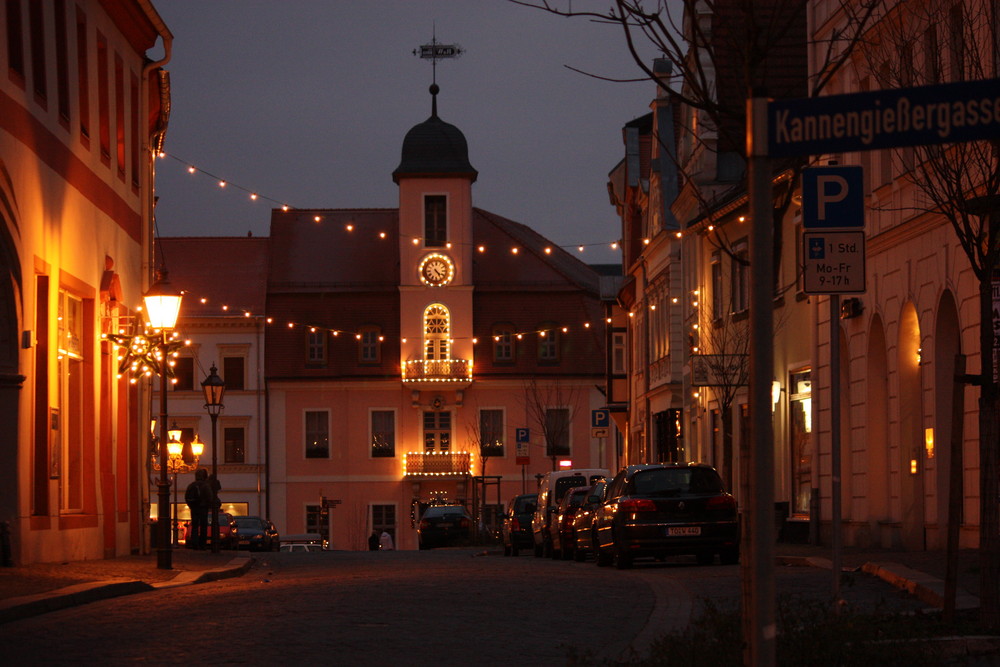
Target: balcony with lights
{"points": [[425, 465], [437, 373]]}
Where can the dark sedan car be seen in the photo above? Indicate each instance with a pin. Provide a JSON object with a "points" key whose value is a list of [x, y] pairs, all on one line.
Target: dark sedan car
{"points": [[667, 509], [256, 534], [444, 525], [583, 522], [561, 528], [516, 528]]}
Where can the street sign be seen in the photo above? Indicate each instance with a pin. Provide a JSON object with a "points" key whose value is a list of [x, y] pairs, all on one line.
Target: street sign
{"points": [[833, 197], [600, 423], [834, 262], [521, 438], [943, 113]]}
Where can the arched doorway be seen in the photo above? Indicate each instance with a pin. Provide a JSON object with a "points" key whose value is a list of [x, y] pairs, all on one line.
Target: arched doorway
{"points": [[911, 455], [938, 444], [877, 433], [11, 379]]}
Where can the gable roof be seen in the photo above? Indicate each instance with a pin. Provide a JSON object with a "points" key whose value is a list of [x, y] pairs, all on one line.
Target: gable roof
{"points": [[307, 255], [505, 270], [224, 270]]}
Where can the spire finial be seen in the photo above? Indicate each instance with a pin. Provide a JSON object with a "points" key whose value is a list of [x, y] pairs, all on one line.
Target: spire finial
{"points": [[435, 51]]}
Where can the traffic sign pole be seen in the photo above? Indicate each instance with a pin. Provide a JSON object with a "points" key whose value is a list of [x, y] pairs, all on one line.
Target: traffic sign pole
{"points": [[759, 600]]}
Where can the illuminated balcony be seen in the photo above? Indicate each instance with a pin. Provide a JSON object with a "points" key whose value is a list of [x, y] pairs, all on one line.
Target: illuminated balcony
{"points": [[452, 373], [437, 464]]}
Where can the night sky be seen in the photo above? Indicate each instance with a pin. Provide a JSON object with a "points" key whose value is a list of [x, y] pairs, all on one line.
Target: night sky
{"points": [[307, 103]]}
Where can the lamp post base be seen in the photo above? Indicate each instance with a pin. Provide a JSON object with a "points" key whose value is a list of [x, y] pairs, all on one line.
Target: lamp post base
{"points": [[164, 552]]}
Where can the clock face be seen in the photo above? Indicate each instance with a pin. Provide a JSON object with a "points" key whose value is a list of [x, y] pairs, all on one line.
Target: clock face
{"points": [[436, 270]]}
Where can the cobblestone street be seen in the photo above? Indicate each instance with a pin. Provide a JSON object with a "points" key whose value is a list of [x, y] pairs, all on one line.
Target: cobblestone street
{"points": [[443, 607]]}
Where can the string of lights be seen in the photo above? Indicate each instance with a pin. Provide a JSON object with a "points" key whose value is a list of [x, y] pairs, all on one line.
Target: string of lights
{"points": [[255, 195]]}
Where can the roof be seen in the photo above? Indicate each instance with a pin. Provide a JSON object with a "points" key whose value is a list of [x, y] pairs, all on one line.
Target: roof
{"points": [[230, 271], [506, 270], [435, 148], [345, 249]]}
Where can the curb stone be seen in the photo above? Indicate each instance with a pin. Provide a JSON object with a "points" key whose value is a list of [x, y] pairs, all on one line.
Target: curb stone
{"points": [[27, 606]]}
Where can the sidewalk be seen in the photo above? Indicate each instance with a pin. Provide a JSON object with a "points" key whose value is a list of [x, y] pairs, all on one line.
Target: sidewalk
{"points": [[920, 573], [42, 587], [39, 588]]}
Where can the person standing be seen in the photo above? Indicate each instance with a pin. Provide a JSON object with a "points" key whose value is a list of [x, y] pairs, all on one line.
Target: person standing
{"points": [[198, 497], [385, 542]]}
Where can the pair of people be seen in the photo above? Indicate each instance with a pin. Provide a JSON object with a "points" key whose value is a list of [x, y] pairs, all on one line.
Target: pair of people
{"points": [[200, 497], [381, 542]]}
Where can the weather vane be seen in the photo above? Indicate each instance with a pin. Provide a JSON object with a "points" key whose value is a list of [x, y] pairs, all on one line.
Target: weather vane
{"points": [[436, 51]]}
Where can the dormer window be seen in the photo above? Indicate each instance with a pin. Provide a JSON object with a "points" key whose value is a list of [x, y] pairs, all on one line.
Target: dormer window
{"points": [[435, 221]]}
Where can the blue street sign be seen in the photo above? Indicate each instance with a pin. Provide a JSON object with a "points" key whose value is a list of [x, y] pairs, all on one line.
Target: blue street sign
{"points": [[600, 419], [522, 435], [833, 197], [943, 113]]}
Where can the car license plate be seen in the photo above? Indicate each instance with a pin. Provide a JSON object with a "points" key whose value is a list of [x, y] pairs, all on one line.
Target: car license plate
{"points": [[444, 525], [682, 531]]}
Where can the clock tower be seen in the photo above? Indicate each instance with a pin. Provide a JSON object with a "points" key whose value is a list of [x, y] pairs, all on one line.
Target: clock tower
{"points": [[435, 250]]}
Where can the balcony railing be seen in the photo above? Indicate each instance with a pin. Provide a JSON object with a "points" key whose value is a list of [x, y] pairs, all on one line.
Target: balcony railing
{"points": [[454, 371], [437, 464]]}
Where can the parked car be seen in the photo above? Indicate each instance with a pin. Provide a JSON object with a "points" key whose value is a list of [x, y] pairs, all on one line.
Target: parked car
{"points": [[583, 522], [515, 530], [227, 530], [561, 527], [444, 525], [551, 488], [667, 509], [256, 534]]}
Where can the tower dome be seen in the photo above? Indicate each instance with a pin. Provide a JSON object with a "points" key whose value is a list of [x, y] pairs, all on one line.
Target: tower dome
{"points": [[434, 148]]}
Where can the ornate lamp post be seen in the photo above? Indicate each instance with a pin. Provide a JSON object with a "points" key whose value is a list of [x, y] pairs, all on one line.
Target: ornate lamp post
{"points": [[163, 304], [176, 465], [214, 388]]}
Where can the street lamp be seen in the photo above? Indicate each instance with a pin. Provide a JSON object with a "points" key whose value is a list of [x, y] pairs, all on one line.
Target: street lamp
{"points": [[176, 465], [162, 305], [214, 388]]}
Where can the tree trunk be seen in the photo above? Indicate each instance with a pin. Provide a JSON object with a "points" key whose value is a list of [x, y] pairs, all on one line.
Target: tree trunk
{"points": [[727, 447], [989, 510]]}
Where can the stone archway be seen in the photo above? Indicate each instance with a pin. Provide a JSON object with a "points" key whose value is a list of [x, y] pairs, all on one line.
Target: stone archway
{"points": [[11, 379], [911, 455], [947, 344]]}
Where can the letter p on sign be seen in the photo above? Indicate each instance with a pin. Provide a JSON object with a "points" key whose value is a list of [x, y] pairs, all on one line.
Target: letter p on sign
{"points": [[833, 197]]}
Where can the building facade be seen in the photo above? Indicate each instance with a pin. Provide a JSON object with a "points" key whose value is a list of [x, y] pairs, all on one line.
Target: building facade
{"points": [[222, 320], [426, 354], [82, 111], [921, 307]]}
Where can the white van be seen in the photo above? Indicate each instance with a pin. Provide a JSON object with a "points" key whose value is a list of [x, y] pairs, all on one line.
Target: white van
{"points": [[551, 488]]}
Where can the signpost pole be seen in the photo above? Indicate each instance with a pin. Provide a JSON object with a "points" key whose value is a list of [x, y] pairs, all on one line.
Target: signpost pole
{"points": [[758, 530], [835, 483]]}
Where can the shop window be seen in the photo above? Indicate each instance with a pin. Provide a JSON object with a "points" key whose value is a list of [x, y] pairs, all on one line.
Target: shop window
{"points": [[317, 431], [557, 432], [435, 221], [384, 520], [235, 439], [503, 344], [184, 374], [437, 431], [234, 373], [491, 440], [383, 433]]}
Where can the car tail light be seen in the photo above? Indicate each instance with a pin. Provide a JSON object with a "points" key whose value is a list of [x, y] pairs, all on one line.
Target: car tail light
{"points": [[424, 524], [464, 523], [637, 505], [515, 525], [721, 503]]}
